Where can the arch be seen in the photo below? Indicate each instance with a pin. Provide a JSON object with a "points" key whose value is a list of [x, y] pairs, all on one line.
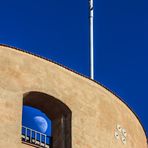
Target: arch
{"points": [[57, 112]]}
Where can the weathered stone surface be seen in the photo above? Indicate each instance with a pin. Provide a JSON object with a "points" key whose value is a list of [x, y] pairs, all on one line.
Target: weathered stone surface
{"points": [[95, 111]]}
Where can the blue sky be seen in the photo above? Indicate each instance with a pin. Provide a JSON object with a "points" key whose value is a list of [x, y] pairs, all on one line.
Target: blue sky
{"points": [[29, 120], [33, 118], [59, 30]]}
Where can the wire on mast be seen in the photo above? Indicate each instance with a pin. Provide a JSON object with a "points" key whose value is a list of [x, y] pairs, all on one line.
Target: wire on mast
{"points": [[91, 9]]}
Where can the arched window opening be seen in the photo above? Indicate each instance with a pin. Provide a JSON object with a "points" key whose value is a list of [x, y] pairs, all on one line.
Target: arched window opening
{"points": [[49, 118]]}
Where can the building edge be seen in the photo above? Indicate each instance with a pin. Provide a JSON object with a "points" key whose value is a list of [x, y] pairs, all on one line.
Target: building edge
{"points": [[86, 77]]}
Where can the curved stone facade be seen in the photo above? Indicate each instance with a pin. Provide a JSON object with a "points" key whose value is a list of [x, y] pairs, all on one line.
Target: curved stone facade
{"points": [[99, 118]]}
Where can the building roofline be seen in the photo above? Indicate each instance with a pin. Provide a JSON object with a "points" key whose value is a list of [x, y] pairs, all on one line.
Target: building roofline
{"points": [[98, 83]]}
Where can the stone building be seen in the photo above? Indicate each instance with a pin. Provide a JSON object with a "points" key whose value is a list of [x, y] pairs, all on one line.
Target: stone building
{"points": [[84, 113]]}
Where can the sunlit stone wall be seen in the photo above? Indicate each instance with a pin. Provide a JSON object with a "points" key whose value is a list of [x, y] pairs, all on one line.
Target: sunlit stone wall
{"points": [[99, 118]]}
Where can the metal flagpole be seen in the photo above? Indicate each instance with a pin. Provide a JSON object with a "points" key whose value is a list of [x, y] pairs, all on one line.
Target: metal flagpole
{"points": [[91, 39]]}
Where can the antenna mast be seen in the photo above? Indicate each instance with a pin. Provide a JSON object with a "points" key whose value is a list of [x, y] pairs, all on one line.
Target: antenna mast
{"points": [[91, 9]]}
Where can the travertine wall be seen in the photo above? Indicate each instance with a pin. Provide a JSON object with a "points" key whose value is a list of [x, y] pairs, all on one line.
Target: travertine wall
{"points": [[95, 111]]}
